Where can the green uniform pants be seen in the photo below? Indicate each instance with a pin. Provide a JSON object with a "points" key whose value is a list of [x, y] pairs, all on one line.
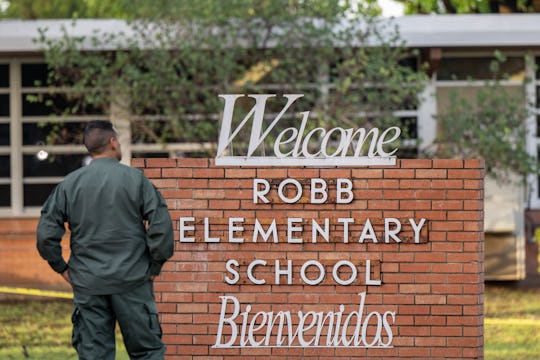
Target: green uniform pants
{"points": [[95, 316]]}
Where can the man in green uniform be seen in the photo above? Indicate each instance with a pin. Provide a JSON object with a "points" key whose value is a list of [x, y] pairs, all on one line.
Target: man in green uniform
{"points": [[121, 234]]}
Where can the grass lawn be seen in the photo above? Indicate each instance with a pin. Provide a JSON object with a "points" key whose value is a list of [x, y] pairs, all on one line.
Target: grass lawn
{"points": [[512, 323], [42, 330]]}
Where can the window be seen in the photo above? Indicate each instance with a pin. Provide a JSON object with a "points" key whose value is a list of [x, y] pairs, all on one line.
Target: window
{"points": [[4, 75], [4, 105], [36, 194], [53, 132], [4, 134], [479, 68], [535, 137], [52, 166], [5, 195], [150, 155], [51, 137], [5, 169], [43, 126]]}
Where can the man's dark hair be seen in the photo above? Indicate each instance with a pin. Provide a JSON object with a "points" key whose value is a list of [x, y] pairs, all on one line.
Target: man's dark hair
{"points": [[97, 134]]}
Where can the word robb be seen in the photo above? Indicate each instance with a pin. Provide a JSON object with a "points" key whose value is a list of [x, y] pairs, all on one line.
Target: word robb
{"points": [[334, 144], [318, 191]]}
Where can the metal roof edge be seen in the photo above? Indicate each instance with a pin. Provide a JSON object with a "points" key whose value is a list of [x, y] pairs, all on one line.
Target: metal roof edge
{"points": [[471, 30]]}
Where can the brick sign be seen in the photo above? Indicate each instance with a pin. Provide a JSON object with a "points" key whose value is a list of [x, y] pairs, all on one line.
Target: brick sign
{"points": [[381, 262]]}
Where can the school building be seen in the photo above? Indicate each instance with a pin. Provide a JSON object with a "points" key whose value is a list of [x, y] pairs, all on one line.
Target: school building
{"points": [[456, 47]]}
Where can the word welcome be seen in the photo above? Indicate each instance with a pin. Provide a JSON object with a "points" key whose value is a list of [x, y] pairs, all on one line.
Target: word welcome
{"points": [[311, 329], [294, 147]]}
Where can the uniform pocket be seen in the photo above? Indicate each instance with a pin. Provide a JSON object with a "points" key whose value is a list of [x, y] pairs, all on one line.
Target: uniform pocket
{"points": [[77, 331], [153, 318]]}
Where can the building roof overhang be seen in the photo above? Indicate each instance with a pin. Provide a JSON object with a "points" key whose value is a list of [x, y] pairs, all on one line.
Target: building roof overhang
{"points": [[478, 30], [419, 31]]}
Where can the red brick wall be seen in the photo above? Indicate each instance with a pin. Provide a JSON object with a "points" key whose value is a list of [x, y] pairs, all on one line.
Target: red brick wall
{"points": [[435, 287], [20, 263]]}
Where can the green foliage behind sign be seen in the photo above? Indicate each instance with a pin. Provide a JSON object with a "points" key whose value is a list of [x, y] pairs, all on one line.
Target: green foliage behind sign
{"points": [[488, 121], [351, 66]]}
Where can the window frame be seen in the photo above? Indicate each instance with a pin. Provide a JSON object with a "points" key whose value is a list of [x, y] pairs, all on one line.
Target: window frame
{"points": [[16, 150]]}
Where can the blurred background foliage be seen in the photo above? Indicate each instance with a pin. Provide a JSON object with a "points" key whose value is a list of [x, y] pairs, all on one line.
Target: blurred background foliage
{"points": [[470, 6], [199, 49], [177, 56]]}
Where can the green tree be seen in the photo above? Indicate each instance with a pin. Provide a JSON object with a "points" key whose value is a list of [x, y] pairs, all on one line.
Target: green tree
{"points": [[178, 60], [176, 9], [62, 9], [490, 125], [469, 6]]}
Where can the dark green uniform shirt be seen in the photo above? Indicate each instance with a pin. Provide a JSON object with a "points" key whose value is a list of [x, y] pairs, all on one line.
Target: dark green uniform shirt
{"points": [[106, 205]]}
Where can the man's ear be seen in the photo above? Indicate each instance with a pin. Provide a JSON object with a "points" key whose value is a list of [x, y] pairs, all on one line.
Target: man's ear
{"points": [[113, 143]]}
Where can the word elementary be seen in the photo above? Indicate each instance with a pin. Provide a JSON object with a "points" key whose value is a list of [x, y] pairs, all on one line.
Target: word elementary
{"points": [[292, 228]]}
